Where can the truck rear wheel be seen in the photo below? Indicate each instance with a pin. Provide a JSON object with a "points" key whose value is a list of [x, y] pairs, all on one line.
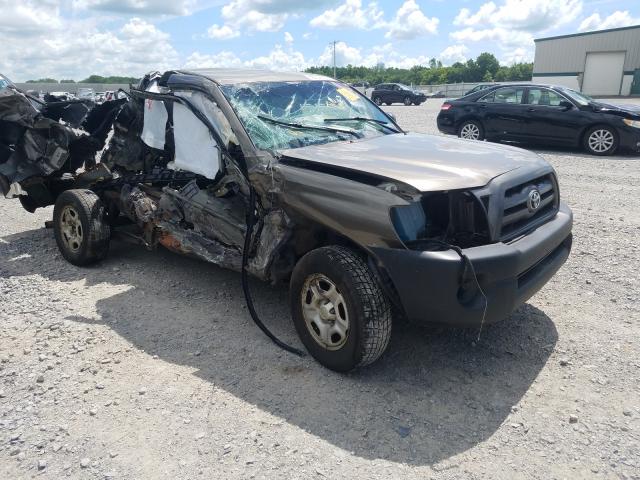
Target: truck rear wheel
{"points": [[339, 310], [80, 227]]}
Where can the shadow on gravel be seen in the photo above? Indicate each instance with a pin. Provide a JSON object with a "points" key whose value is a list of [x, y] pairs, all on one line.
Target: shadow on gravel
{"points": [[433, 395]]}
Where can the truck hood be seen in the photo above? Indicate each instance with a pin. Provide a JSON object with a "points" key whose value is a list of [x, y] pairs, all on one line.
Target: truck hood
{"points": [[426, 162]]}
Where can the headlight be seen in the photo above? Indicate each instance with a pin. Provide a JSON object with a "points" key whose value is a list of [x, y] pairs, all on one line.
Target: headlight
{"points": [[409, 221], [631, 123]]}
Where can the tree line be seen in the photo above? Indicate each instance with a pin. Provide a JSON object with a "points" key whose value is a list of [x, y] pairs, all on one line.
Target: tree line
{"points": [[90, 79], [485, 68]]}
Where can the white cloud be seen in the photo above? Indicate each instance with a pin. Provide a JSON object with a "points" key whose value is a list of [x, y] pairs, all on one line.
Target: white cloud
{"points": [[277, 59], [502, 36], [345, 55], [619, 18], [78, 48], [223, 32], [138, 7], [224, 59], [519, 55], [453, 54], [288, 38], [409, 22], [522, 15], [349, 15], [512, 24], [380, 54], [258, 16], [243, 15], [28, 18]]}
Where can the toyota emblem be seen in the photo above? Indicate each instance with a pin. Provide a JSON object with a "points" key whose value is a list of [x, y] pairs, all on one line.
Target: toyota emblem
{"points": [[533, 201]]}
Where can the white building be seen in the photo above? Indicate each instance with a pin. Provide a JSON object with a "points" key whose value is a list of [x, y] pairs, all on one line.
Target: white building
{"points": [[604, 63]]}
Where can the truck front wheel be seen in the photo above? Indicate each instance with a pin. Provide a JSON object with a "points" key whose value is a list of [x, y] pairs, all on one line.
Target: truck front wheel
{"points": [[339, 310], [80, 227]]}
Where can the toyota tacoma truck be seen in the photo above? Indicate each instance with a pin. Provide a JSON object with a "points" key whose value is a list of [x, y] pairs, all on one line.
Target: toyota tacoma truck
{"points": [[298, 178]]}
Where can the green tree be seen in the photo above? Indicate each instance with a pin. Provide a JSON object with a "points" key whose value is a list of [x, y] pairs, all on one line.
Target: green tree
{"points": [[484, 68], [43, 80], [487, 63]]}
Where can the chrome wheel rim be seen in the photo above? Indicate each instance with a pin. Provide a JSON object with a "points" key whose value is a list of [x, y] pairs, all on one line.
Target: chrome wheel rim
{"points": [[470, 131], [378, 101], [601, 140], [71, 228], [325, 312]]}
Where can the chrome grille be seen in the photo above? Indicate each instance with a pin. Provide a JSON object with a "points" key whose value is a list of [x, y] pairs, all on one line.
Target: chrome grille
{"points": [[517, 216]]}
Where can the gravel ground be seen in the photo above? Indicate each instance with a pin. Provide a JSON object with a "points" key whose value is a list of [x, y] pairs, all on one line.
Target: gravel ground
{"points": [[149, 367]]}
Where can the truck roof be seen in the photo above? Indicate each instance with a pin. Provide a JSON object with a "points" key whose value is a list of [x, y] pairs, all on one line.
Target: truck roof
{"points": [[230, 76]]}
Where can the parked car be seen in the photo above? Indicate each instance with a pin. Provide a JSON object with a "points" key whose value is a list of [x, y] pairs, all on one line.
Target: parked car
{"points": [[482, 86], [85, 93], [295, 177], [436, 94], [389, 93], [543, 114]]}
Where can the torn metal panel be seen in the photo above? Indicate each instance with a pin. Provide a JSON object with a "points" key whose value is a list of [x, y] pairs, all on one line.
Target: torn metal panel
{"points": [[70, 112], [220, 219], [188, 242], [48, 140], [276, 230]]}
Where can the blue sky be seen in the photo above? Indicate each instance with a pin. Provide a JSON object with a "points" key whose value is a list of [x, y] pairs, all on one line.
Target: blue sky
{"points": [[75, 38]]}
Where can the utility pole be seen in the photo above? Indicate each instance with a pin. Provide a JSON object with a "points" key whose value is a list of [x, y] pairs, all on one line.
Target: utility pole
{"points": [[334, 60]]}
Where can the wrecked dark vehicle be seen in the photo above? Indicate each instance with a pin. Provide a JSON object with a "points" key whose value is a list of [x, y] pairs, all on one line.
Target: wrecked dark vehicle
{"points": [[299, 178]]}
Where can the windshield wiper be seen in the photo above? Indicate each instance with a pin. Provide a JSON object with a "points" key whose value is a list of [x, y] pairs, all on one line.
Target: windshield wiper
{"points": [[362, 119], [308, 127]]}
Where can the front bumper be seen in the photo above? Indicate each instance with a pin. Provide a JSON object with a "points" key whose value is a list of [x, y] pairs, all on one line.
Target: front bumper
{"points": [[429, 283], [629, 138], [446, 124]]}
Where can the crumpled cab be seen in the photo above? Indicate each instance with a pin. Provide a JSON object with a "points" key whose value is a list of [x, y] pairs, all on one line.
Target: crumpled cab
{"points": [[299, 178]]}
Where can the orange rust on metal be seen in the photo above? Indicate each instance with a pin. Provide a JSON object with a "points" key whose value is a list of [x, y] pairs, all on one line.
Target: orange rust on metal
{"points": [[169, 242]]}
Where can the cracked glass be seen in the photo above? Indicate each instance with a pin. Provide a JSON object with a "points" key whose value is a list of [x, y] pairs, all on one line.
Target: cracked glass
{"points": [[283, 115]]}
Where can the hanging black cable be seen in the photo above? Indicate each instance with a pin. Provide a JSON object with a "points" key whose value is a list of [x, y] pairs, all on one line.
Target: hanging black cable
{"points": [[251, 220]]}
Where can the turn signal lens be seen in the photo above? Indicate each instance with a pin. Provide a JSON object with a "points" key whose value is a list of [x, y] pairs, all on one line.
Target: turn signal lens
{"points": [[632, 123], [446, 106]]}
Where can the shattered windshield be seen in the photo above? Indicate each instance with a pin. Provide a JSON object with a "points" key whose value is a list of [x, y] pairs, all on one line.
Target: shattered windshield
{"points": [[5, 82], [281, 115]]}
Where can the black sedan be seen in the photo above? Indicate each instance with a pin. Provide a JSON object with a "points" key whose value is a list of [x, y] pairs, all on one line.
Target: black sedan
{"points": [[542, 114]]}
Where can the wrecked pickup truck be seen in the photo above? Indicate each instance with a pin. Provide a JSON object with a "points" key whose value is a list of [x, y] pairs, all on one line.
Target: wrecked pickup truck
{"points": [[299, 178]]}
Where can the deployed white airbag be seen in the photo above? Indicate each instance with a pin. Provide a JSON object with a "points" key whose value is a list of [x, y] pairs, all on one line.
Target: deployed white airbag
{"points": [[155, 121], [196, 149]]}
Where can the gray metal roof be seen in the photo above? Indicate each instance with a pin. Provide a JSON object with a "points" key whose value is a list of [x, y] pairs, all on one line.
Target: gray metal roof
{"points": [[566, 55], [227, 76], [591, 32]]}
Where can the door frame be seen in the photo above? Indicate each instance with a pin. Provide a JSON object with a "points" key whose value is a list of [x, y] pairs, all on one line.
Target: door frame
{"points": [[584, 67]]}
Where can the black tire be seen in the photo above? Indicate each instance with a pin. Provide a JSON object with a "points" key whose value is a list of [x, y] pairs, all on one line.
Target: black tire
{"points": [[407, 101], [368, 310], [608, 143], [417, 104], [388, 103], [377, 101], [90, 242], [470, 125]]}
